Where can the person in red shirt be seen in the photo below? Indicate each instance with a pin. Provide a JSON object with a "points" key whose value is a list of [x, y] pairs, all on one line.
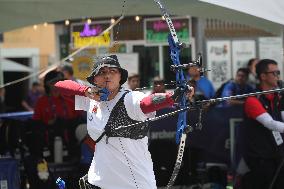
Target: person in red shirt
{"points": [[264, 150], [54, 115], [53, 106]]}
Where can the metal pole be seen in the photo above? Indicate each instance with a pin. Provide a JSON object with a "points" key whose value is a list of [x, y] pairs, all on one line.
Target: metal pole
{"points": [[1, 70], [161, 62]]}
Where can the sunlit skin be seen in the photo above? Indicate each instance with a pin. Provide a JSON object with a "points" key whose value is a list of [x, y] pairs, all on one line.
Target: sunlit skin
{"points": [[106, 78]]}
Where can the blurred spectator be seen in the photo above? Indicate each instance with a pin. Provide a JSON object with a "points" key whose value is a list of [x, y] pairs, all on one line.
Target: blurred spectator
{"points": [[238, 86], [2, 100], [34, 93], [264, 129], [68, 73], [133, 81], [159, 85], [53, 116], [203, 87], [252, 80], [52, 105]]}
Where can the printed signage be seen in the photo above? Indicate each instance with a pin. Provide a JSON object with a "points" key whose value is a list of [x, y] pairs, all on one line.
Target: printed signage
{"points": [[271, 48], [84, 34], [156, 30], [242, 52], [219, 61], [83, 62]]}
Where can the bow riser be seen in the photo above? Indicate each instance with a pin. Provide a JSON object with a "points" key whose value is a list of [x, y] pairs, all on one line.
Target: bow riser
{"points": [[180, 82]]}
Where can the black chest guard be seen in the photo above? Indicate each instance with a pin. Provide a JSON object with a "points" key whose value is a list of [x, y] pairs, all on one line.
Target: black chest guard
{"points": [[119, 118]]}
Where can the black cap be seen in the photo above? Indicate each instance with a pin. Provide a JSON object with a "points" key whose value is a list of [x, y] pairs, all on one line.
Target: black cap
{"points": [[107, 61]]}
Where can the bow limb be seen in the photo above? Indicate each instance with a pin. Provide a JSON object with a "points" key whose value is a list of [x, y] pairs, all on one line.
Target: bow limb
{"points": [[175, 47]]}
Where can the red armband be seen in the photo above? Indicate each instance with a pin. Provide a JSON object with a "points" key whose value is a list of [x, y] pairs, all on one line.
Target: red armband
{"points": [[70, 88], [155, 102]]}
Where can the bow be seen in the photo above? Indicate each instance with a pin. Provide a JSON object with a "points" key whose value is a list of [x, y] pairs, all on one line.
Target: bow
{"points": [[181, 83]]}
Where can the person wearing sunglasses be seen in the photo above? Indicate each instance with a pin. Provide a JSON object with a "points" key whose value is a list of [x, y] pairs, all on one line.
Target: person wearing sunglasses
{"points": [[263, 124]]}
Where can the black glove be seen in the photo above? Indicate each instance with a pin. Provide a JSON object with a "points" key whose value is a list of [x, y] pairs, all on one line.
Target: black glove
{"points": [[179, 91]]}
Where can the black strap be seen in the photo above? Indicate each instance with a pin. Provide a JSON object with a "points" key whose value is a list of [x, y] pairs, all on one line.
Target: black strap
{"points": [[100, 137], [104, 133]]}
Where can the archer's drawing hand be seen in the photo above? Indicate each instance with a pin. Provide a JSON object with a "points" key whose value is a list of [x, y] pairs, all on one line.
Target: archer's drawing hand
{"points": [[93, 93], [178, 92]]}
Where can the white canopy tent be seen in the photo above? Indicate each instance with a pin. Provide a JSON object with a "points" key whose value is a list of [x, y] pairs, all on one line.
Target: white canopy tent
{"points": [[267, 15], [11, 66], [269, 10]]}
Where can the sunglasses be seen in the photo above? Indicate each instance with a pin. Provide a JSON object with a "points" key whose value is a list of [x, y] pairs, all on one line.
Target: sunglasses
{"points": [[275, 73]]}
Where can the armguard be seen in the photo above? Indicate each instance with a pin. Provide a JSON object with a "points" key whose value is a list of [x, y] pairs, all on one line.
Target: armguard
{"points": [[155, 102], [70, 88]]}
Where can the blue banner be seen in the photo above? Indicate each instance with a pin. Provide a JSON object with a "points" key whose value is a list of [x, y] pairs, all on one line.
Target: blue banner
{"points": [[9, 174], [212, 141]]}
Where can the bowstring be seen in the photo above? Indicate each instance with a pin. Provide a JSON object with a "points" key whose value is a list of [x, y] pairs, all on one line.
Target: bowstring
{"points": [[119, 25], [196, 105], [120, 142]]}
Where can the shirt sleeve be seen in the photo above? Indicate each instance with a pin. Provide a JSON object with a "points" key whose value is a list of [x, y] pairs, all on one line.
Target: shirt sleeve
{"points": [[253, 108], [228, 90], [70, 88], [212, 90], [82, 103], [132, 105], [268, 122]]}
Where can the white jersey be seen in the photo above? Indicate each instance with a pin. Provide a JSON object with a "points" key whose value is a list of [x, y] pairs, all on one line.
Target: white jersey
{"points": [[122, 163]]}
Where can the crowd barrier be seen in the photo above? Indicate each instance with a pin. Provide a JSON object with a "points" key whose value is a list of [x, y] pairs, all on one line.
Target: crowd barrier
{"points": [[214, 144], [217, 138]]}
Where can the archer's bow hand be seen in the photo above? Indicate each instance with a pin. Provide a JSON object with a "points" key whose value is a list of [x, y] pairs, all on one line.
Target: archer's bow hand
{"points": [[179, 91]]}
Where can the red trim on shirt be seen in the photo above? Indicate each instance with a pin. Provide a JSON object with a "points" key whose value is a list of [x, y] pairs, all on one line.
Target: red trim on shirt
{"points": [[90, 142], [253, 107]]}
